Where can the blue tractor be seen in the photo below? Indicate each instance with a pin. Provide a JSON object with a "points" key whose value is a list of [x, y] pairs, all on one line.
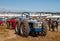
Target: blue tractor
{"points": [[27, 25]]}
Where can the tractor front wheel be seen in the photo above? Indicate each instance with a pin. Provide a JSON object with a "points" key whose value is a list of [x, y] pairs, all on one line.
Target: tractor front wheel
{"points": [[44, 31]]}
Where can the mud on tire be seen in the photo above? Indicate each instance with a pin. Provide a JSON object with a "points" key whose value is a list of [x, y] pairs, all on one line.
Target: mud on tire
{"points": [[44, 30], [24, 28]]}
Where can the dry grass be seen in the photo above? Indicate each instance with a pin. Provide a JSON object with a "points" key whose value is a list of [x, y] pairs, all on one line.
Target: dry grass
{"points": [[9, 35]]}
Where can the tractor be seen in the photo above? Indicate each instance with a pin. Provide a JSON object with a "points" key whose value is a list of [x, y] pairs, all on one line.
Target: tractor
{"points": [[27, 25], [1, 21], [11, 23]]}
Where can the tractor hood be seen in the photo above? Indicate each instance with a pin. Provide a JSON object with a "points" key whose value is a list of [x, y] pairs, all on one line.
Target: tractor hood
{"points": [[35, 21]]}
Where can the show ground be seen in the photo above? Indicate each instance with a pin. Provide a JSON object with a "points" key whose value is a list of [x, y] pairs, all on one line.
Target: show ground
{"points": [[9, 35]]}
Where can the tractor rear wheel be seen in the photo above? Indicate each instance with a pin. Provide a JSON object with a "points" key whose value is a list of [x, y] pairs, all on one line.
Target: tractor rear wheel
{"points": [[17, 28], [24, 28]]}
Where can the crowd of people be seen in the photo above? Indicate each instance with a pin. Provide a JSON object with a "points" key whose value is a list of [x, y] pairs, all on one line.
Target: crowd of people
{"points": [[53, 24]]}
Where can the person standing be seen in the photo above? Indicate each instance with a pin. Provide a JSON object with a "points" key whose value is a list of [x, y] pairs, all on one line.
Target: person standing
{"points": [[53, 25], [49, 24], [57, 24]]}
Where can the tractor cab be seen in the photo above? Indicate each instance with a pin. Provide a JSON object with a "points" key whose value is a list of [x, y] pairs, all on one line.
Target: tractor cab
{"points": [[25, 14]]}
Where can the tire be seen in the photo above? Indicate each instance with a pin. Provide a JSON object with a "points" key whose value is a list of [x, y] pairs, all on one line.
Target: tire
{"points": [[17, 28], [24, 28], [21, 29], [44, 30]]}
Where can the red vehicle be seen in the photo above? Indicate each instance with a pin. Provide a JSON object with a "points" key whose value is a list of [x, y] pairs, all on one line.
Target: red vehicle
{"points": [[1, 22], [12, 22]]}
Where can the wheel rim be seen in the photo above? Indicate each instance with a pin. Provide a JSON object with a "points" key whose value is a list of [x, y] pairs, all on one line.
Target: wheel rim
{"points": [[16, 29], [21, 30]]}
